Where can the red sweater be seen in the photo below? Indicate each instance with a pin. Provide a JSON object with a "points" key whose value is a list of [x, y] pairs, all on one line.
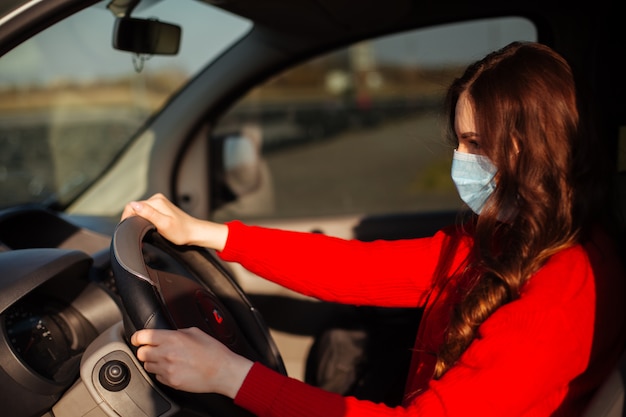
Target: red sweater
{"points": [[540, 355]]}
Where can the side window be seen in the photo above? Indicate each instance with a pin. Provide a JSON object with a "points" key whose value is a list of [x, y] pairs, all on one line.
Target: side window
{"points": [[360, 130]]}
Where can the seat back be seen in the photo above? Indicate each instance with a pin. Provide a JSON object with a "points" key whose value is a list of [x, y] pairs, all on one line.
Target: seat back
{"points": [[608, 401]]}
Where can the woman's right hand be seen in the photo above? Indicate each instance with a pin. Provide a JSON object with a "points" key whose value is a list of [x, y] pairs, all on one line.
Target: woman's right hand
{"points": [[191, 360], [177, 226]]}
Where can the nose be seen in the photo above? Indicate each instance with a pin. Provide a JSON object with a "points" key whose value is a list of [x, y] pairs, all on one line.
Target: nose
{"points": [[462, 148]]}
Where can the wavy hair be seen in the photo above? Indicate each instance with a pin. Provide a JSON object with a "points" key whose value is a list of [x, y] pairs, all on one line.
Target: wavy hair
{"points": [[530, 124]]}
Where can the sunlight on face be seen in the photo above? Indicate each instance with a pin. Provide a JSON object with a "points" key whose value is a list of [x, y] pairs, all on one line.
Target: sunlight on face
{"points": [[465, 126]]}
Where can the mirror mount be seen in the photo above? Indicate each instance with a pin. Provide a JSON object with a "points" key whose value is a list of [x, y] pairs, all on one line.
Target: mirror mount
{"points": [[122, 8]]}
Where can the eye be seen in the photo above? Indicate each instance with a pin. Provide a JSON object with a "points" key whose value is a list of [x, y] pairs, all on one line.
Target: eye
{"points": [[469, 143], [473, 144]]}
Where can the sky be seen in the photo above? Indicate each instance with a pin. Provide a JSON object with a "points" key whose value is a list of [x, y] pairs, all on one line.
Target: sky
{"points": [[456, 43]]}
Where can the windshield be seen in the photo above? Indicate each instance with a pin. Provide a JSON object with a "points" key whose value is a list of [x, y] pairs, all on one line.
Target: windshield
{"points": [[69, 102]]}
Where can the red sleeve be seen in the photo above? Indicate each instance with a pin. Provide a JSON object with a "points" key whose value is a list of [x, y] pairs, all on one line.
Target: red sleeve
{"points": [[383, 273], [264, 390], [533, 356]]}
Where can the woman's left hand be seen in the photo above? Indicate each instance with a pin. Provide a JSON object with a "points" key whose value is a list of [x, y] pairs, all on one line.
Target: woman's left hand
{"points": [[191, 360]]}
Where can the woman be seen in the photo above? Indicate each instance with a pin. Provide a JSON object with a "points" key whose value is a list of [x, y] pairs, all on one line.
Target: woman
{"points": [[523, 302]]}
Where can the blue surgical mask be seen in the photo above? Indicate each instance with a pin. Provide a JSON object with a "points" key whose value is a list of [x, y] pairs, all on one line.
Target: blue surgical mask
{"points": [[473, 176]]}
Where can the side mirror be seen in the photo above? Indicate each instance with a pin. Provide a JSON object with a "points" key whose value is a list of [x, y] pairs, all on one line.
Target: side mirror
{"points": [[146, 36], [237, 165], [241, 164]]}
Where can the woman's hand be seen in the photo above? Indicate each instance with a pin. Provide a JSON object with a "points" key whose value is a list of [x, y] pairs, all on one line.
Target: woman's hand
{"points": [[177, 226], [191, 360]]}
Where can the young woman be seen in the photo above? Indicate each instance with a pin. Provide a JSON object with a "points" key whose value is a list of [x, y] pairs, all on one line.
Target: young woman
{"points": [[524, 303]]}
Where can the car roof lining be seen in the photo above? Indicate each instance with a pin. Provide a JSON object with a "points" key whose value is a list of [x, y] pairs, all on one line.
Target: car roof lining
{"points": [[318, 17]]}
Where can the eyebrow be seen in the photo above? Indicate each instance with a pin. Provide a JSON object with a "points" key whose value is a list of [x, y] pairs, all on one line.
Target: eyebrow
{"points": [[469, 135]]}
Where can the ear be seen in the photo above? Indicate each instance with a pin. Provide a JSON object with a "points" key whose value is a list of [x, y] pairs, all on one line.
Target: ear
{"points": [[516, 145], [514, 151]]}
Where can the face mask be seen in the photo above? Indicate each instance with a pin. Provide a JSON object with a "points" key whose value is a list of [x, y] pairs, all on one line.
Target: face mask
{"points": [[473, 176]]}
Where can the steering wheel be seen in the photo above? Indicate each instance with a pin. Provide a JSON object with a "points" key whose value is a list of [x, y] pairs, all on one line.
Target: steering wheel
{"points": [[166, 286]]}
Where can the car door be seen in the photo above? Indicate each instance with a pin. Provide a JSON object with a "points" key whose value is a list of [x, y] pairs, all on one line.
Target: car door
{"points": [[351, 143]]}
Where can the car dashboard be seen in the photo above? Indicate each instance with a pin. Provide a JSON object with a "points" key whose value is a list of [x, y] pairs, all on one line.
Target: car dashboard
{"points": [[61, 320]]}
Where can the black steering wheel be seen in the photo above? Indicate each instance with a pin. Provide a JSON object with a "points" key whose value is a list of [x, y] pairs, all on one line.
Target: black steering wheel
{"points": [[166, 286]]}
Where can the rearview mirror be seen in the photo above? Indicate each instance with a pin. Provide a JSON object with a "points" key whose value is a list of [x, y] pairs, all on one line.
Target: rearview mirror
{"points": [[146, 36]]}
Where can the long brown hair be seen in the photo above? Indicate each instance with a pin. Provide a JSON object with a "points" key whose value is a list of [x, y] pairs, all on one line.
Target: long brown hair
{"points": [[530, 125]]}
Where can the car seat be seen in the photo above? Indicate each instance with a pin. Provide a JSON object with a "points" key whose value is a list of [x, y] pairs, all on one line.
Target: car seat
{"points": [[608, 401]]}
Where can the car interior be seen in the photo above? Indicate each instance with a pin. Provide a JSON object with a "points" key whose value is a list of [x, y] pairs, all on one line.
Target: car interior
{"points": [[309, 115]]}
